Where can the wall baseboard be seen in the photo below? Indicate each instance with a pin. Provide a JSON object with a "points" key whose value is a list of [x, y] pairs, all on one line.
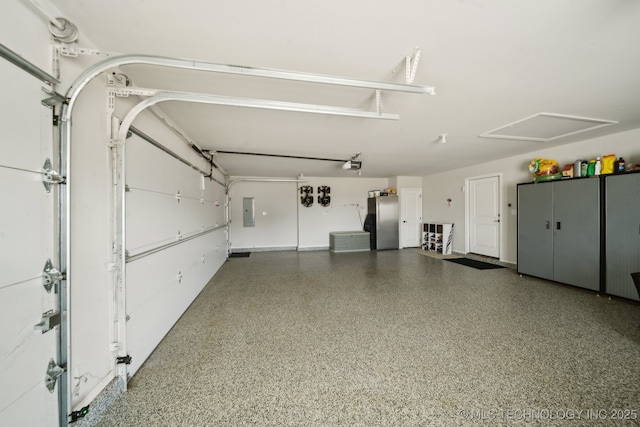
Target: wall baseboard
{"points": [[264, 249], [312, 248]]}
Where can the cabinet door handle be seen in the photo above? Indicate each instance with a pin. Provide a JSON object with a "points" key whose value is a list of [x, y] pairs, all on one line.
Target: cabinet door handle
{"points": [[558, 225]]}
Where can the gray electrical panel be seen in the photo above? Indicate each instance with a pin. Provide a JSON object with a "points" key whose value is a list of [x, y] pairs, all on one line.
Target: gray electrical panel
{"points": [[248, 212]]}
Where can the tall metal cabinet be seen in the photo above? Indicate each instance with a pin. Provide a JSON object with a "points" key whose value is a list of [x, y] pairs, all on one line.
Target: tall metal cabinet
{"points": [[559, 231], [622, 234]]}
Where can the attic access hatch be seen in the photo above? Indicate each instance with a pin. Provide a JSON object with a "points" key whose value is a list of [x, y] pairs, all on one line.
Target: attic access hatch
{"points": [[543, 127]]}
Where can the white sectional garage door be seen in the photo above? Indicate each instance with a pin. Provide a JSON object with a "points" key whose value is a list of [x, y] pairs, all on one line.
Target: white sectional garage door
{"points": [[175, 240], [26, 243]]}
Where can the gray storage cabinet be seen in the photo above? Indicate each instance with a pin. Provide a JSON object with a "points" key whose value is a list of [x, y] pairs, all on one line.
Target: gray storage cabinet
{"points": [[559, 231], [622, 231]]}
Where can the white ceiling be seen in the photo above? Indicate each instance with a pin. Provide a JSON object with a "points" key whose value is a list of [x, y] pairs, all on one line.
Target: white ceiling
{"points": [[492, 62]]}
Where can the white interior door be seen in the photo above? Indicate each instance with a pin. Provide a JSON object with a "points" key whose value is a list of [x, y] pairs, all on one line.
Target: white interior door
{"points": [[26, 243], [411, 217], [484, 216]]}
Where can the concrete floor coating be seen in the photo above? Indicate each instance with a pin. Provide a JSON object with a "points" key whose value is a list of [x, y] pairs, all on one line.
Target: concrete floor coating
{"points": [[388, 338]]}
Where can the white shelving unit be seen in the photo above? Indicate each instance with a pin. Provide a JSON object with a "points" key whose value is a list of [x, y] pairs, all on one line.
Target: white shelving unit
{"points": [[437, 237]]}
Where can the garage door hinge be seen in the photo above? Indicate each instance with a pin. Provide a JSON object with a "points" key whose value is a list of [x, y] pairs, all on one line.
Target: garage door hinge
{"points": [[51, 275], [124, 359], [50, 320], [76, 415], [50, 176], [53, 372]]}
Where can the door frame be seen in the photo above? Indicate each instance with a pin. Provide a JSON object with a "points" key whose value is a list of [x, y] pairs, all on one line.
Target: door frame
{"points": [[467, 211]]}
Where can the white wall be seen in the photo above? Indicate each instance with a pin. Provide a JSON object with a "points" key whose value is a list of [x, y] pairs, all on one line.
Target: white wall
{"points": [[289, 225], [438, 187], [347, 211], [275, 216]]}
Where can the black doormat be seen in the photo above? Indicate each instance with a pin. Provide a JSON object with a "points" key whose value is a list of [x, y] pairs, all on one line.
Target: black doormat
{"points": [[475, 264], [240, 255]]}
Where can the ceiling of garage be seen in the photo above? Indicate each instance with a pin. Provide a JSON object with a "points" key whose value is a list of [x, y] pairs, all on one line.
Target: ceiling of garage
{"points": [[492, 62]]}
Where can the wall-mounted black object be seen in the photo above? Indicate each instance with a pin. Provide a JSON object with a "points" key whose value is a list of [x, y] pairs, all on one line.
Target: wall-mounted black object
{"points": [[306, 199], [324, 199]]}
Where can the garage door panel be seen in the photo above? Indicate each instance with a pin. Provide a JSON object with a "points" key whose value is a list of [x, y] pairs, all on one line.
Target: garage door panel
{"points": [[26, 226], [27, 241], [24, 413], [213, 191], [193, 216], [154, 274], [207, 215], [26, 143], [24, 352], [153, 287], [152, 219], [155, 170], [147, 167]]}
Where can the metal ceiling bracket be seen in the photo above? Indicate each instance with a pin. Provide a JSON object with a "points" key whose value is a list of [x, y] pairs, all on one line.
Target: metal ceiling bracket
{"points": [[53, 372], [124, 92], [178, 196], [50, 176], [118, 79], [51, 275], [411, 66], [53, 100], [378, 102], [72, 50], [50, 320]]}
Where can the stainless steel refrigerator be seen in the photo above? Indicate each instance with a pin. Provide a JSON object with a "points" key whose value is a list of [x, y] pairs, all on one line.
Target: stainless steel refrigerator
{"points": [[383, 222]]}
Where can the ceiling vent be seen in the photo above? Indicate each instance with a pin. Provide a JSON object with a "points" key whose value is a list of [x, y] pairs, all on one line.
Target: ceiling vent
{"points": [[543, 127]]}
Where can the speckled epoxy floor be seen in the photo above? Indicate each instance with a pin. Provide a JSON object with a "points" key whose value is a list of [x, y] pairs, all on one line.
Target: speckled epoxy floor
{"points": [[388, 338]]}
